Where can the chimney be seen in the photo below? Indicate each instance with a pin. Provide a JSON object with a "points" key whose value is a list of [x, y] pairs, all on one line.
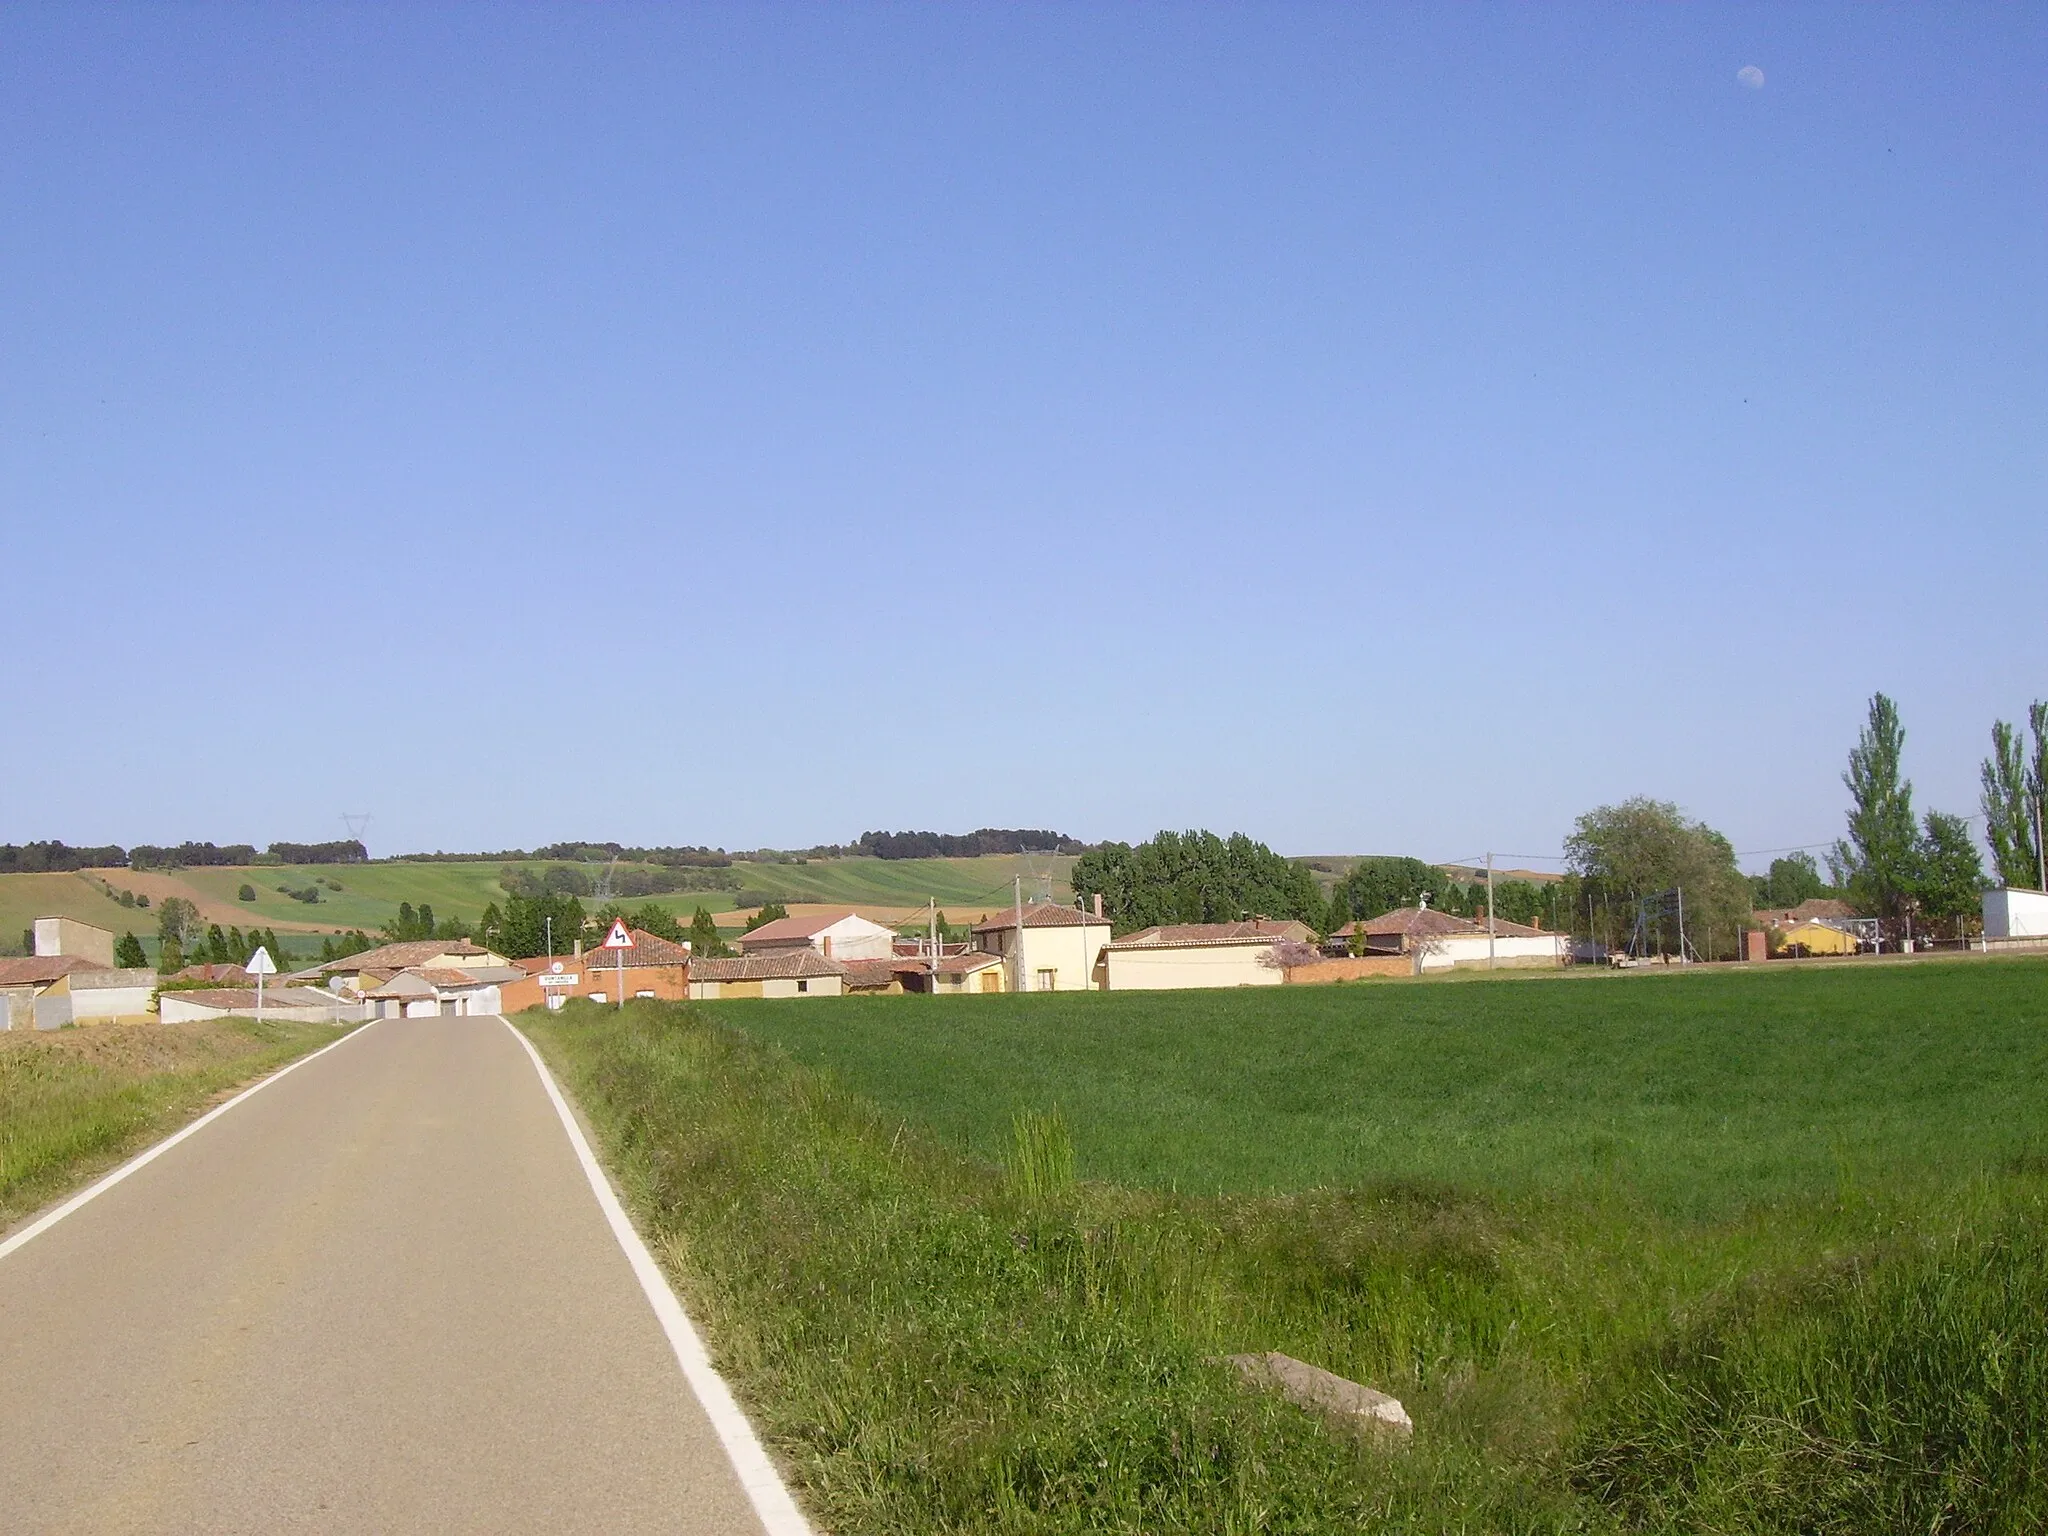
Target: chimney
{"points": [[1098, 905]]}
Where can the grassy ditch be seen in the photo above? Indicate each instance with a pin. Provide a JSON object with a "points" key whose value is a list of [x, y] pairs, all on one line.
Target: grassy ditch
{"points": [[943, 1342], [75, 1101]]}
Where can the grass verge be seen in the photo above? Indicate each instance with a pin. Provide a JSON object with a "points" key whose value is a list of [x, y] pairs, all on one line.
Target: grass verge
{"points": [[937, 1343], [73, 1102]]}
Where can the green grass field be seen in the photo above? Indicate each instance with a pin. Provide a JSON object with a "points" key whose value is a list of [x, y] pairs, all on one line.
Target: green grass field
{"points": [[1696, 1092], [1737, 1252]]}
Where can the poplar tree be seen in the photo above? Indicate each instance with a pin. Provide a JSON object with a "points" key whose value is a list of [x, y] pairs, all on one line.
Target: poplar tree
{"points": [[2012, 791], [1877, 862]]}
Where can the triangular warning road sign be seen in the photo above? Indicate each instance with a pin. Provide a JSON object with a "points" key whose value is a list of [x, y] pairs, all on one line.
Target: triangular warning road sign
{"points": [[260, 963], [618, 938]]}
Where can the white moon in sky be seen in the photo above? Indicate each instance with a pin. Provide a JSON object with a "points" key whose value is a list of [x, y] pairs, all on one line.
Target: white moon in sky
{"points": [[1751, 76]]}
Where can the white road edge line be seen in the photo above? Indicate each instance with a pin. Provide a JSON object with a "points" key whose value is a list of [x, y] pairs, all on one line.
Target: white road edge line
{"points": [[770, 1496], [141, 1160]]}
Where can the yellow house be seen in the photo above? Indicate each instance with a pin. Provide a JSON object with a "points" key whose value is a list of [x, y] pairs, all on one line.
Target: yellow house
{"points": [[1817, 939]]}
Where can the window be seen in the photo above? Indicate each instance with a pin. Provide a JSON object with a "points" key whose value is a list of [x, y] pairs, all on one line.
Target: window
{"points": [[1048, 981], [801, 984], [643, 994], [598, 997]]}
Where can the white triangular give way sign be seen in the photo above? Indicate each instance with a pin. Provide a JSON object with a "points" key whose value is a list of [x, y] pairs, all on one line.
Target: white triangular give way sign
{"points": [[260, 963], [618, 938]]}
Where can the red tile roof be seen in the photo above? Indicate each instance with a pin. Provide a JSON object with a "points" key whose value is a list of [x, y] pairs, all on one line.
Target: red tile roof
{"points": [[776, 965], [40, 970], [1043, 914], [788, 930], [1260, 930], [1414, 922]]}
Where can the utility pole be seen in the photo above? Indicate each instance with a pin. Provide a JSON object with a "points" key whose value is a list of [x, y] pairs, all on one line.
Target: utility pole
{"points": [[549, 920], [1681, 924], [933, 921], [1489, 911], [1021, 987]]}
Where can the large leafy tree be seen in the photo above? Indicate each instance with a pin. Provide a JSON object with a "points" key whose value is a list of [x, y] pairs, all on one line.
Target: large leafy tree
{"points": [[1950, 874], [2013, 789], [525, 926], [1620, 854], [1196, 877], [177, 921], [1793, 878], [1376, 886], [1876, 863]]}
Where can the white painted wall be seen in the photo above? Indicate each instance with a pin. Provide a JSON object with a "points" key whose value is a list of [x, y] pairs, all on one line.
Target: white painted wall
{"points": [[1469, 951], [1208, 965], [2015, 914]]}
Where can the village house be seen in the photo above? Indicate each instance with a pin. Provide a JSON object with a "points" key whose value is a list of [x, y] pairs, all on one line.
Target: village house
{"points": [[1438, 941], [1061, 948], [71, 979], [958, 969], [834, 935], [653, 968], [373, 967], [1202, 955]]}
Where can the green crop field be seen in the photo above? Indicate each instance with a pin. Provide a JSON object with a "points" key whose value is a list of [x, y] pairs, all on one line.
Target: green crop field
{"points": [[1741, 1251], [1694, 1092], [370, 894], [965, 884]]}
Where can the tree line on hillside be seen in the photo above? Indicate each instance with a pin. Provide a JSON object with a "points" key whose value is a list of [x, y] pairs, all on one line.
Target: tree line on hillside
{"points": [[985, 842], [582, 853], [56, 857], [574, 880]]}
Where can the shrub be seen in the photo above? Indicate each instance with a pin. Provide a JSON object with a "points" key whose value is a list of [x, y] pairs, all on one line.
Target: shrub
{"points": [[246, 893]]}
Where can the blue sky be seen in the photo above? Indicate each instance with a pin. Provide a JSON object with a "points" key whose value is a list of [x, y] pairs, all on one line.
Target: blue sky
{"points": [[1389, 429]]}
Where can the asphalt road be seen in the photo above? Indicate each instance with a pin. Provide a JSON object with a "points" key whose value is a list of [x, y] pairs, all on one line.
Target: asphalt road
{"points": [[377, 1296]]}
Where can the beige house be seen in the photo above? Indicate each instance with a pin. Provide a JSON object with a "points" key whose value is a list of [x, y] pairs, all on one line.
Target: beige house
{"points": [[1060, 951], [1203, 955], [793, 971], [834, 935]]}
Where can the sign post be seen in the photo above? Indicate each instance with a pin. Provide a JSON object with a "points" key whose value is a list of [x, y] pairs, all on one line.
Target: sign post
{"points": [[619, 941], [260, 965]]}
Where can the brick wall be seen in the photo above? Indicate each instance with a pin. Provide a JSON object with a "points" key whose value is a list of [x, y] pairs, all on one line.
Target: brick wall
{"points": [[1350, 969]]}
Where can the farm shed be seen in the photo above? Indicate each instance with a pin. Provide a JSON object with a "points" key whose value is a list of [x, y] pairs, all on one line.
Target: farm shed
{"points": [[2015, 914], [1202, 955], [1438, 941], [796, 972]]}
